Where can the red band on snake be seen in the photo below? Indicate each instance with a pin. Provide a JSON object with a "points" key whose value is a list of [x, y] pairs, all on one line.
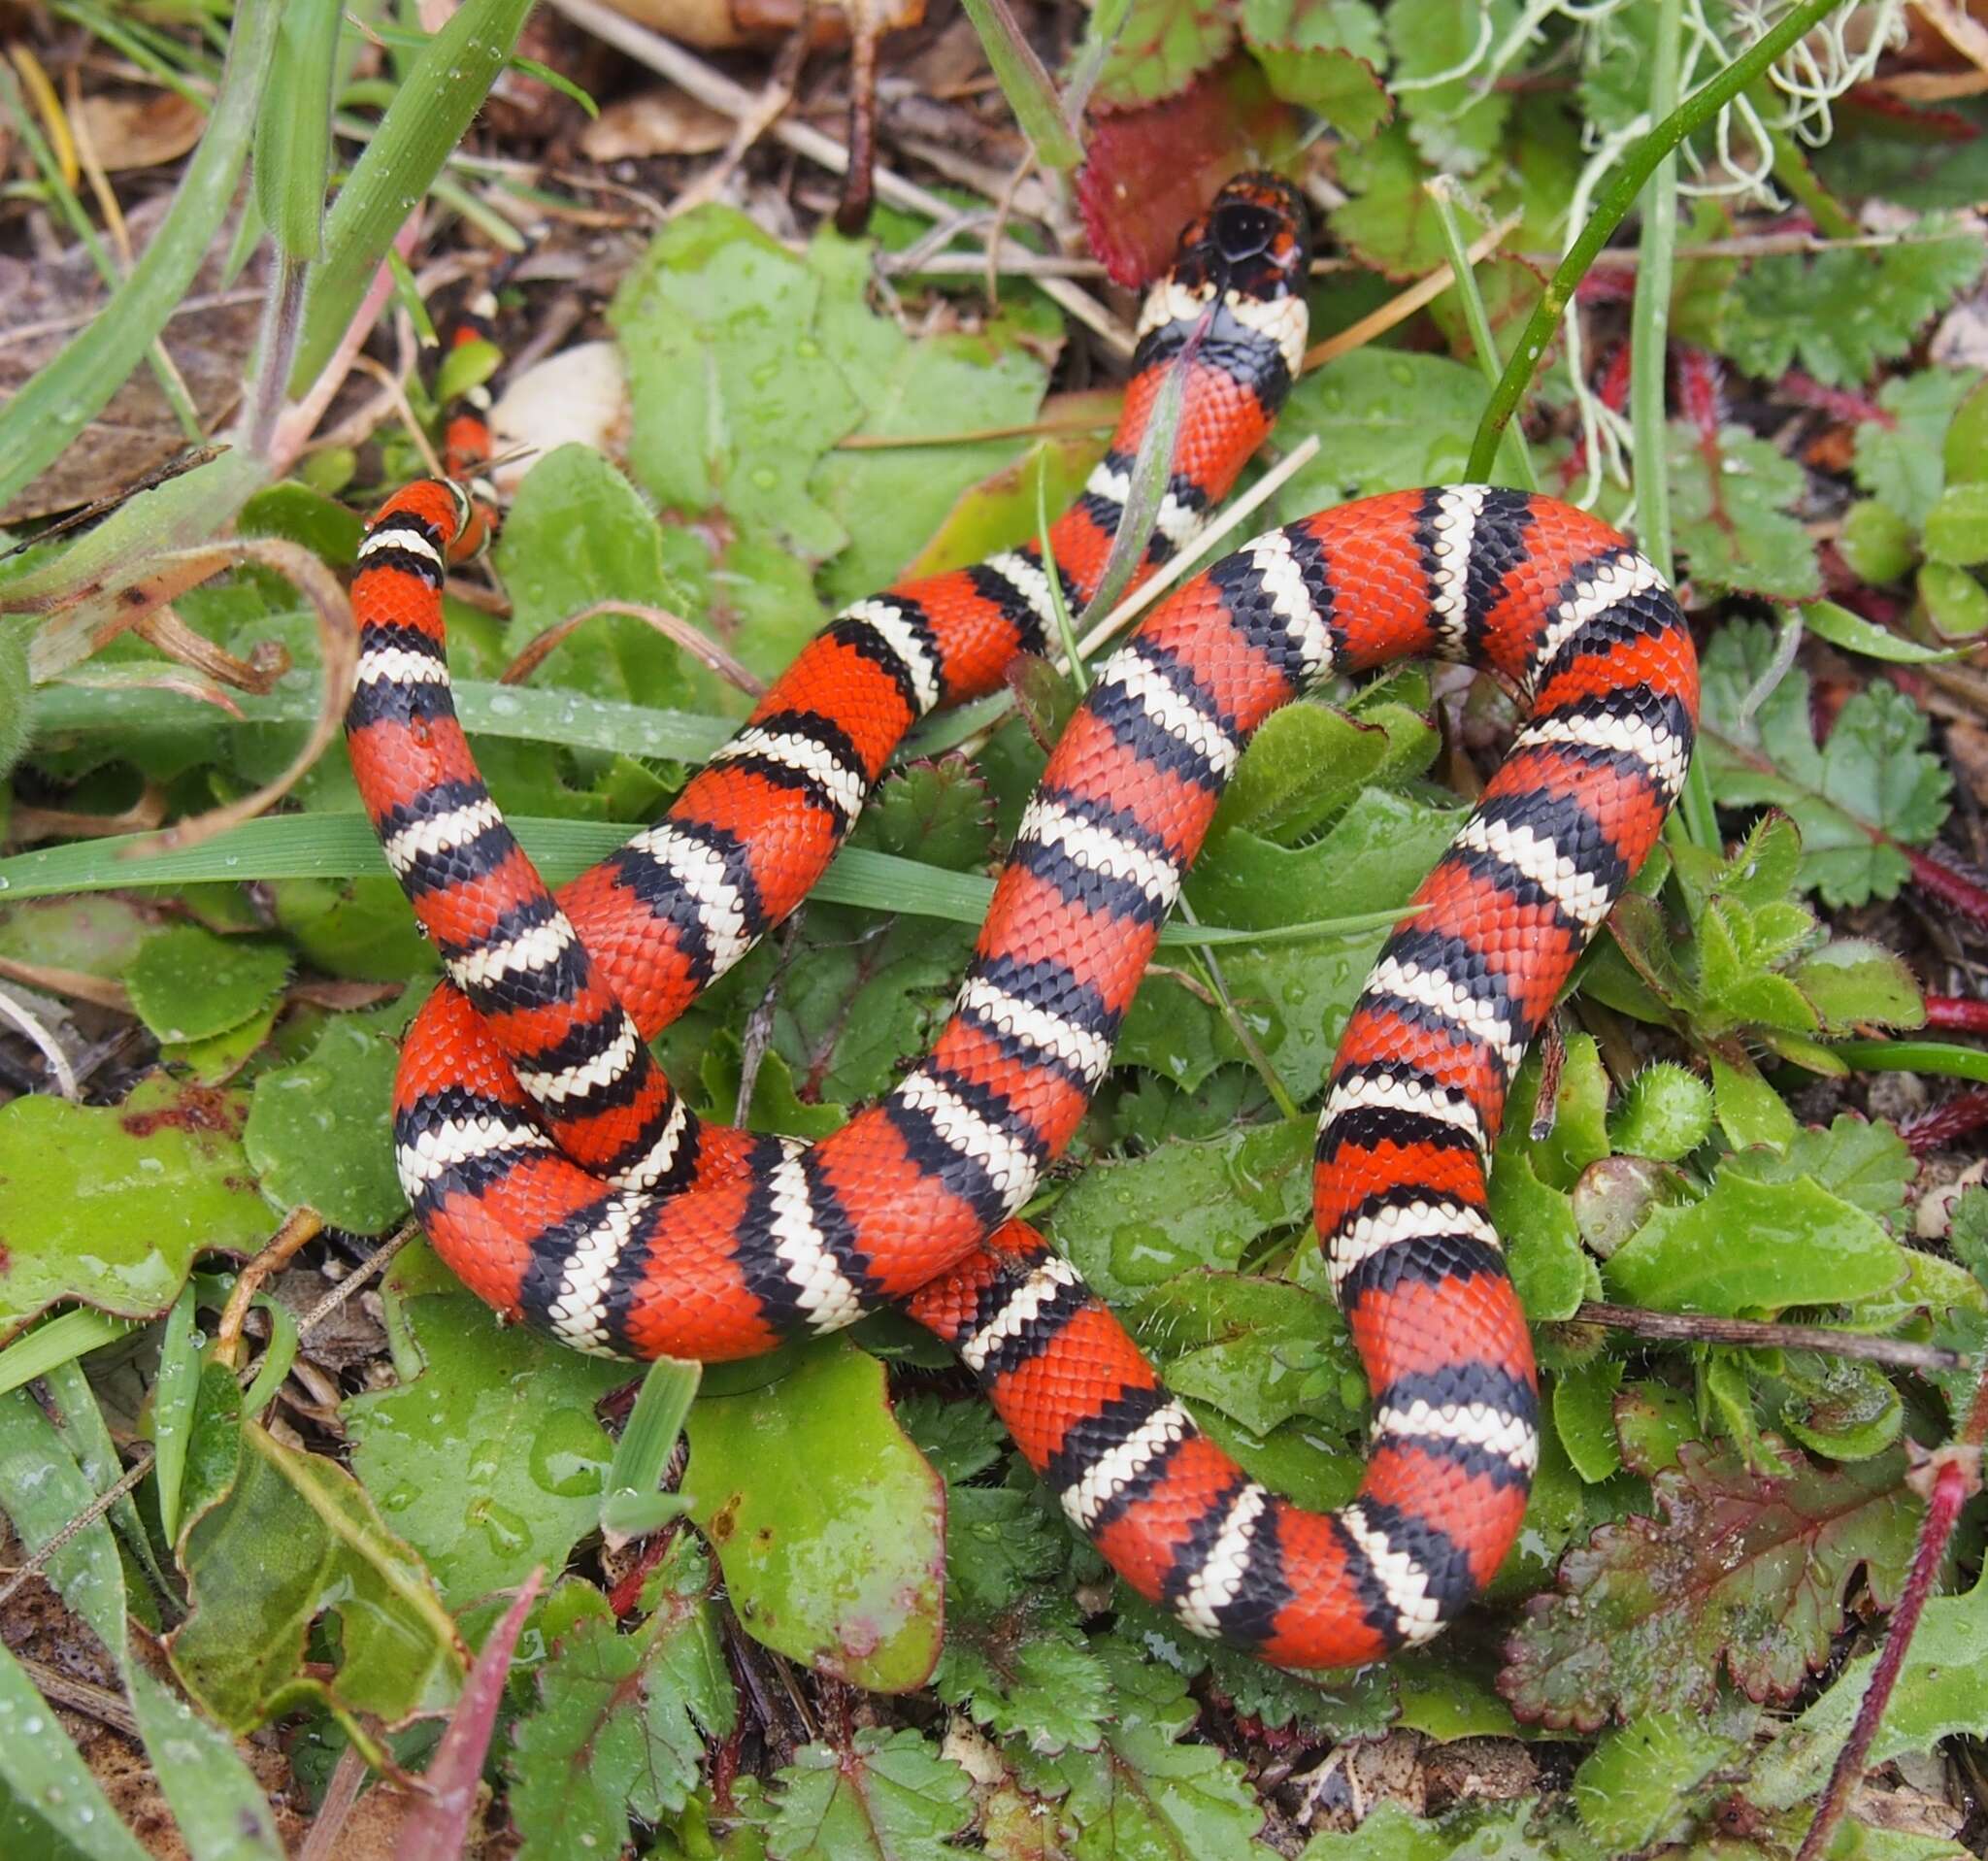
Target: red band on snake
{"points": [[556, 1172]]}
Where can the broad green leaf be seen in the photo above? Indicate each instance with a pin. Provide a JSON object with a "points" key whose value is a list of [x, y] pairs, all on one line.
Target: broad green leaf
{"points": [[1455, 124], [188, 984], [321, 1133], [1743, 1574], [95, 936], [1385, 421], [1584, 1414], [619, 1724], [1753, 1247], [1939, 1694], [1026, 1670], [1666, 1113], [1161, 48], [1260, 1350], [1000, 511], [1880, 546], [1864, 1161], [1872, 777], [734, 397], [1897, 455], [1324, 55], [1131, 1225], [825, 1519], [1643, 1781], [490, 1461], [1957, 526], [577, 534], [295, 1537], [44, 1782], [1309, 761], [111, 1204], [1731, 505], [1876, 301], [1144, 1792], [885, 1796]]}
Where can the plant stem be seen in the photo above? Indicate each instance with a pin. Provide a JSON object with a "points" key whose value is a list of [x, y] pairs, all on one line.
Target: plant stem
{"points": [[1442, 193], [1620, 196], [1691, 1327]]}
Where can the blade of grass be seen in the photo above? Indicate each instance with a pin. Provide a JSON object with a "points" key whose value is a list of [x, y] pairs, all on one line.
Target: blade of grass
{"points": [[1613, 207], [434, 106], [44, 1772], [635, 1479], [1145, 482], [57, 1341], [294, 139], [172, 1407], [1030, 90], [1442, 193], [40, 421], [343, 847], [1943, 1059]]}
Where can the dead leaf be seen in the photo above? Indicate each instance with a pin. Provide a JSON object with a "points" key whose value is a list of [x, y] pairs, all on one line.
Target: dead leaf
{"points": [[48, 300], [663, 121], [719, 25], [141, 129]]}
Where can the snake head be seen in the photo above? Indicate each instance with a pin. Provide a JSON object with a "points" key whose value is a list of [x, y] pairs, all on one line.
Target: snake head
{"points": [[1255, 239]]}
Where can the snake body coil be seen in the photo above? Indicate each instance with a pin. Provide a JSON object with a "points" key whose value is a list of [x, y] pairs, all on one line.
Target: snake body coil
{"points": [[556, 1170]]}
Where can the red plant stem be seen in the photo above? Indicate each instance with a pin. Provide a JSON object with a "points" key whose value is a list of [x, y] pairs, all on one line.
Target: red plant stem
{"points": [[1951, 1118], [1948, 883], [1954, 1481], [1961, 1014], [626, 1595], [1805, 390]]}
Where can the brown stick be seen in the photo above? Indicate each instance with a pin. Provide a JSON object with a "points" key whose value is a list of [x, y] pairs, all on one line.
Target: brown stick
{"points": [[1691, 1327]]}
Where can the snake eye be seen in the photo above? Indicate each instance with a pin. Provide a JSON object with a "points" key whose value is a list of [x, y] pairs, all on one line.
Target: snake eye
{"points": [[1242, 230]]}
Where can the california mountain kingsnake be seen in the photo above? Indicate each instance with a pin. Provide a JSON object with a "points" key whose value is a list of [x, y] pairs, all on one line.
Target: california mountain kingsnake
{"points": [[555, 1170]]}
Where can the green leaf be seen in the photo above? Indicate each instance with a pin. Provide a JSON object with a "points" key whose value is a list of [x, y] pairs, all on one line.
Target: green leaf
{"points": [[1642, 1783], [735, 396], [827, 1522], [1131, 1225], [295, 1537], [490, 1461], [1260, 1350], [188, 984], [1584, 1415], [1957, 526], [321, 1133], [1309, 761], [294, 134], [1872, 777], [47, 1779], [444, 88], [885, 1796], [1143, 1792], [1754, 1246], [1730, 504], [1745, 1573], [577, 534], [1865, 1162], [1842, 312], [1456, 124], [1855, 634], [1880, 546], [1939, 1694], [1323, 55], [1955, 602], [110, 1204], [619, 1729], [1666, 1113], [1898, 458], [891, 500], [1161, 48], [1027, 1672], [1391, 1833], [1385, 421]]}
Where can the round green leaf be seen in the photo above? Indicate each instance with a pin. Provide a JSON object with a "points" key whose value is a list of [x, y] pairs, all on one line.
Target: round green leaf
{"points": [[188, 984], [321, 1133]]}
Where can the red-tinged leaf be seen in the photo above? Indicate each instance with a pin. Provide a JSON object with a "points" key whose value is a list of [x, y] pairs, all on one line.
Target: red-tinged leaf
{"points": [[440, 1820], [1742, 1572], [1149, 171]]}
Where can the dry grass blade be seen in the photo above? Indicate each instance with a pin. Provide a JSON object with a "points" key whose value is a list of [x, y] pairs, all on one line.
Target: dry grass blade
{"points": [[1405, 304], [338, 651], [673, 628]]}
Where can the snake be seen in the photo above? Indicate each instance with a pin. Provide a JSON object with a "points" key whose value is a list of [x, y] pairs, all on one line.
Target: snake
{"points": [[559, 1173]]}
